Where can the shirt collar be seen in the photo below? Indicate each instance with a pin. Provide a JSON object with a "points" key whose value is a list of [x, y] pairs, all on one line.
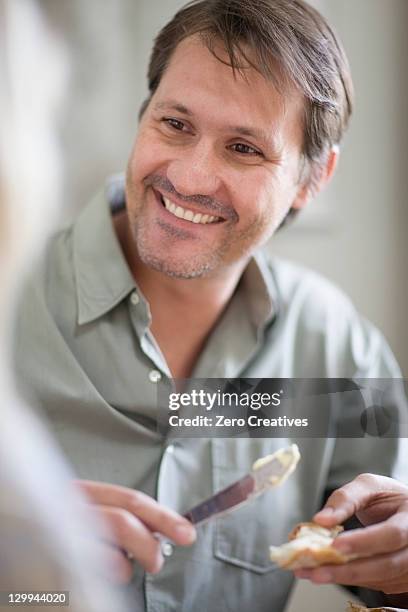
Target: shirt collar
{"points": [[103, 277], [259, 289]]}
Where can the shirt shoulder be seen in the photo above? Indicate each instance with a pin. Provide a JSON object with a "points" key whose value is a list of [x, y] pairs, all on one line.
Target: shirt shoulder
{"points": [[324, 325], [304, 287]]}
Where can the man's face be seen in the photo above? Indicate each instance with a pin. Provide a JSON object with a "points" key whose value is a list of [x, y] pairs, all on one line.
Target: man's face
{"points": [[215, 166]]}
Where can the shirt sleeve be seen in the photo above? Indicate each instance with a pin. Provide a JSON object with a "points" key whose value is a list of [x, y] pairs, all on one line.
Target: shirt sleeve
{"points": [[377, 413], [372, 417]]}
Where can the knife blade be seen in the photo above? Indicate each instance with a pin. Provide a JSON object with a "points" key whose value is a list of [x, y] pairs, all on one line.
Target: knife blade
{"points": [[266, 473]]}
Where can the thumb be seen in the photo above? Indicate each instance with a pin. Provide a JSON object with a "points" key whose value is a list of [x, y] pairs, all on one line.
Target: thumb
{"points": [[352, 497]]}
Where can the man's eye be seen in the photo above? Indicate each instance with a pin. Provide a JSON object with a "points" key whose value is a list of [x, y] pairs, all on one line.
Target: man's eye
{"points": [[245, 149], [174, 124]]}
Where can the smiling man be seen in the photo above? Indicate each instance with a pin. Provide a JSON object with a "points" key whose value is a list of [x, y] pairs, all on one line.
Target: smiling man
{"points": [[165, 278]]}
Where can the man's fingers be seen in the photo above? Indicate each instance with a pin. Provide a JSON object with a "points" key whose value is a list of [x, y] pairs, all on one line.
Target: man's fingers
{"points": [[382, 504], [379, 570], [390, 587], [352, 497], [345, 502], [131, 535], [386, 537], [157, 517]]}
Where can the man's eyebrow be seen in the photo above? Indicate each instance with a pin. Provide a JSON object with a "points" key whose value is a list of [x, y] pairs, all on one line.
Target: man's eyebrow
{"points": [[173, 105], [252, 132]]}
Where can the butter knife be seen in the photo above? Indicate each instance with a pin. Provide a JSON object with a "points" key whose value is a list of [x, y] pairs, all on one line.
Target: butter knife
{"points": [[266, 473]]}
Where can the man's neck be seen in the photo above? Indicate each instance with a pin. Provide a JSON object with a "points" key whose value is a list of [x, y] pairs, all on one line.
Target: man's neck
{"points": [[184, 311]]}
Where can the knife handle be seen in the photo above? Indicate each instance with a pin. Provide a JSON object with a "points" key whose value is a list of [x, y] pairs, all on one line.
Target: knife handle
{"points": [[222, 501]]}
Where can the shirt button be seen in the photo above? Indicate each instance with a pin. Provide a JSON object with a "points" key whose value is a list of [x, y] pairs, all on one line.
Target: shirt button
{"points": [[170, 449], [134, 298], [167, 549], [154, 376]]}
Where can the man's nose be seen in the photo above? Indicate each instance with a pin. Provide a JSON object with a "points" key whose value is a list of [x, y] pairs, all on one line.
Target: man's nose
{"points": [[195, 171]]}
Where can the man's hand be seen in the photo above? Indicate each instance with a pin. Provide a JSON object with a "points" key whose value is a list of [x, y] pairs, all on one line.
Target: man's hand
{"points": [[381, 505], [133, 518]]}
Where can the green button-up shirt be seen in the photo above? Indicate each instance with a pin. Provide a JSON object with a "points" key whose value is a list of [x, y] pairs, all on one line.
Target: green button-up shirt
{"points": [[85, 355]]}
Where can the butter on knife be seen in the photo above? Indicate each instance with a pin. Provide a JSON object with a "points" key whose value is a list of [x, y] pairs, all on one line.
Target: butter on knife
{"points": [[287, 457]]}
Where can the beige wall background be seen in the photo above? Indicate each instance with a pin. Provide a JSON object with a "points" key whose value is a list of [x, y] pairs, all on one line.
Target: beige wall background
{"points": [[355, 233]]}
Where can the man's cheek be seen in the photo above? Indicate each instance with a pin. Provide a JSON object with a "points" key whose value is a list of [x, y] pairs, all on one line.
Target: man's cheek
{"points": [[253, 231], [260, 218]]}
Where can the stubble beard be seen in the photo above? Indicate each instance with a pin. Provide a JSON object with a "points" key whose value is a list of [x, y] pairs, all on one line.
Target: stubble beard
{"points": [[194, 266]]}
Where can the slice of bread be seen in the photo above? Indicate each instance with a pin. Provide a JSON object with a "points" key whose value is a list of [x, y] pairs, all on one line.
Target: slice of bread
{"points": [[309, 545]]}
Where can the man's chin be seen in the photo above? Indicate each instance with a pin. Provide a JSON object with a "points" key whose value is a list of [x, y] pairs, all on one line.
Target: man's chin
{"points": [[177, 269]]}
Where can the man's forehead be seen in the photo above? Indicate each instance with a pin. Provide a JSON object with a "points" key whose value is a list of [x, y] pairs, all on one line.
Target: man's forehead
{"points": [[246, 60], [197, 54]]}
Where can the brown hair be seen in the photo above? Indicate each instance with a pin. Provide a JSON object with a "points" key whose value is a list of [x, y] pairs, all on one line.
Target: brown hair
{"points": [[288, 42]]}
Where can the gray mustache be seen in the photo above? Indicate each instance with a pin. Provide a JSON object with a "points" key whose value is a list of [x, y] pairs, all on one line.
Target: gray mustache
{"points": [[207, 202]]}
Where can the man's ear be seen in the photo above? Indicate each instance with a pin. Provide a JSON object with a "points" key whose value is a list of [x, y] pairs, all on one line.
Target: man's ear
{"points": [[318, 177]]}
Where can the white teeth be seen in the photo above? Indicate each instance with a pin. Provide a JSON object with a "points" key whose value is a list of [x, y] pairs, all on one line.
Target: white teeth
{"points": [[188, 215]]}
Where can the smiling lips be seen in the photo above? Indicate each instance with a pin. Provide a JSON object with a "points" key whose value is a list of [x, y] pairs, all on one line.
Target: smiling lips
{"points": [[188, 215]]}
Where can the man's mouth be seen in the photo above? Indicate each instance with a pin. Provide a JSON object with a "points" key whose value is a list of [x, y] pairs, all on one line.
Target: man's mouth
{"points": [[187, 214]]}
